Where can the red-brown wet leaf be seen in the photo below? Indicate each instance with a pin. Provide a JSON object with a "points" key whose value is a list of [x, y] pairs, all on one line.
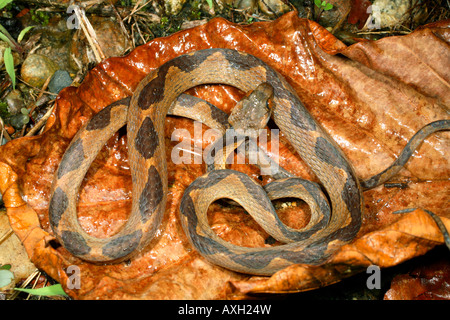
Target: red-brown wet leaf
{"points": [[430, 282], [358, 13], [371, 97]]}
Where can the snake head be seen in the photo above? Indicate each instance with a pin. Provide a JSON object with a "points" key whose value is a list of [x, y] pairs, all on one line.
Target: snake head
{"points": [[254, 110]]}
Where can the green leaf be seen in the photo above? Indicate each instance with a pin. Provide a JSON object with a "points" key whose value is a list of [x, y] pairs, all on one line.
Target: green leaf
{"points": [[6, 277], [9, 65], [210, 3], [54, 290], [24, 111], [5, 267], [4, 3], [328, 6], [323, 3], [23, 32], [6, 39], [318, 3]]}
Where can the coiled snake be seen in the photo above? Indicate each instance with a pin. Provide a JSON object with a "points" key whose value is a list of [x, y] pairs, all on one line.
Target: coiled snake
{"points": [[332, 223]]}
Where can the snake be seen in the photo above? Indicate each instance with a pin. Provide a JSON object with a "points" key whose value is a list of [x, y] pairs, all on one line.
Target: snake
{"points": [[336, 204]]}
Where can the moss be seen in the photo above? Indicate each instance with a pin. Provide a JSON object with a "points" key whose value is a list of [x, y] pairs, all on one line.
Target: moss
{"points": [[40, 17]]}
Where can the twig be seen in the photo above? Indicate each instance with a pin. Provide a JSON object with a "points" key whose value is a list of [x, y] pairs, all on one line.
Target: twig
{"points": [[4, 132], [31, 86], [338, 25], [382, 32], [128, 17], [34, 284], [194, 23], [41, 93], [6, 236], [24, 284], [89, 33], [91, 3], [41, 122], [139, 31], [120, 20]]}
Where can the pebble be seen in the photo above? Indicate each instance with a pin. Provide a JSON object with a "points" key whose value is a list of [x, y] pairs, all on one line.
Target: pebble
{"points": [[19, 120], [245, 5], [36, 69], [174, 6], [390, 13], [273, 7], [110, 37], [15, 102], [270, 8], [60, 80]]}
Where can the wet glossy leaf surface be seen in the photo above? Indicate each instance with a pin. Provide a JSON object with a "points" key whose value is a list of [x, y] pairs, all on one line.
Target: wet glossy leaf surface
{"points": [[371, 97]]}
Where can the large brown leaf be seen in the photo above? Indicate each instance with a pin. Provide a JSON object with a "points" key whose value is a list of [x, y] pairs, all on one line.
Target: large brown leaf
{"points": [[371, 97]]}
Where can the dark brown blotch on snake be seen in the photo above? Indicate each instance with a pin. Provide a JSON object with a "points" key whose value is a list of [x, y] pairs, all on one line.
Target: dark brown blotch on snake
{"points": [[75, 243], [153, 92], [121, 246], [147, 140], [151, 195], [75, 157], [58, 205], [103, 118]]}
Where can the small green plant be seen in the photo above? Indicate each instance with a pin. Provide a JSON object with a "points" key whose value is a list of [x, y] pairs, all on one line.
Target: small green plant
{"points": [[210, 3], [4, 113], [323, 5], [40, 17], [6, 276], [126, 3], [13, 45], [9, 66], [195, 12], [164, 21], [54, 290]]}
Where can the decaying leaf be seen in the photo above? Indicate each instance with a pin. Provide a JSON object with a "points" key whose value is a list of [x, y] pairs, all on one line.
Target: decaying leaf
{"points": [[359, 12], [13, 254], [371, 97], [429, 282]]}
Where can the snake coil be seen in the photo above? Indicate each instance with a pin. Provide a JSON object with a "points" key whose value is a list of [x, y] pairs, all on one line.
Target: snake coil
{"points": [[333, 223]]}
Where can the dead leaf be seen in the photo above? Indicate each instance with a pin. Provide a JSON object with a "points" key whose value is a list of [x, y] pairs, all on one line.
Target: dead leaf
{"points": [[13, 253], [429, 282], [365, 96], [358, 13]]}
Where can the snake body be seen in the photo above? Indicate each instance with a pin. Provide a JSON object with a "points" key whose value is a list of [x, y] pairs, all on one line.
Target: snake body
{"points": [[334, 222]]}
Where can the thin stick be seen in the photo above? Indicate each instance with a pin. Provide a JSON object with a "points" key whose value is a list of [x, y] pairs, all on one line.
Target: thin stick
{"points": [[24, 284], [34, 284], [41, 122], [6, 236], [119, 18], [139, 30], [381, 32], [41, 93], [135, 10], [4, 132], [93, 35], [31, 86], [88, 32], [338, 25]]}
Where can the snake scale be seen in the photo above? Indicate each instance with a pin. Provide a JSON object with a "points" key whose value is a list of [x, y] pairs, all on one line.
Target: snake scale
{"points": [[335, 217]]}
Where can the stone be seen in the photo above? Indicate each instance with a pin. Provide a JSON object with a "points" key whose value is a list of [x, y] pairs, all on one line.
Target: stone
{"points": [[37, 68], [15, 102], [59, 81]]}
